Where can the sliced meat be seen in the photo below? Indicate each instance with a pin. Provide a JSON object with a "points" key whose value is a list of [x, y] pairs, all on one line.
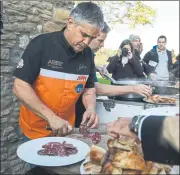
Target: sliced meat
{"points": [[85, 131], [58, 149], [96, 137]]}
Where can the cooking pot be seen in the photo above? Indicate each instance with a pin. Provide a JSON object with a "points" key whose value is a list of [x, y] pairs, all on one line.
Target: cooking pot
{"points": [[159, 87]]}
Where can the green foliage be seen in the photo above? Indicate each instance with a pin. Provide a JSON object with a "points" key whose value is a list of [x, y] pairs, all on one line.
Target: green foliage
{"points": [[127, 12], [102, 80], [103, 54]]}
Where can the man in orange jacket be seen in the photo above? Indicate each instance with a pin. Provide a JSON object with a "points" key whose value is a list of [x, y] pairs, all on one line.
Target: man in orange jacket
{"points": [[49, 75]]}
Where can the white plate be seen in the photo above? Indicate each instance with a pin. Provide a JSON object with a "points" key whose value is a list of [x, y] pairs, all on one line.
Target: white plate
{"points": [[82, 170], [28, 152], [161, 111]]}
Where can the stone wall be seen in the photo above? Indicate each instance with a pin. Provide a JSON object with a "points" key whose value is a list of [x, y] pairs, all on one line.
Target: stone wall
{"points": [[23, 20]]}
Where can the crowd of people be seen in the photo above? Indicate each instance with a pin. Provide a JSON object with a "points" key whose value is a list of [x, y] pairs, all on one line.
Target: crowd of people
{"points": [[56, 81], [156, 64]]}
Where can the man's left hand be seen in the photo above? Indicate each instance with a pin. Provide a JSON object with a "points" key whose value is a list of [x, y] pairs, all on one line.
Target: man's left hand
{"points": [[91, 118]]}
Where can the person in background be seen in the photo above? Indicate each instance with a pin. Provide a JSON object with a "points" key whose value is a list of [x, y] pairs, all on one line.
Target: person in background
{"points": [[107, 90], [138, 48], [136, 42], [159, 136], [175, 67], [54, 70], [159, 60], [125, 64]]}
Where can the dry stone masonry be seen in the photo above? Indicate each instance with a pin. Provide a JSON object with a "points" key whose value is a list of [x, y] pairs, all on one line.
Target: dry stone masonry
{"points": [[23, 20]]}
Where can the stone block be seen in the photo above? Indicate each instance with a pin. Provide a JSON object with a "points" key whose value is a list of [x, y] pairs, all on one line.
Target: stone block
{"points": [[7, 69], [13, 137], [45, 17], [18, 167], [20, 27], [13, 157], [17, 18], [15, 54], [6, 102], [3, 157], [4, 166], [23, 41], [33, 18], [3, 150], [6, 89], [14, 120], [60, 15], [6, 112], [8, 131], [39, 28], [15, 162], [6, 79], [7, 44], [8, 37], [12, 149], [45, 5], [14, 12], [5, 54], [3, 120], [52, 27]]}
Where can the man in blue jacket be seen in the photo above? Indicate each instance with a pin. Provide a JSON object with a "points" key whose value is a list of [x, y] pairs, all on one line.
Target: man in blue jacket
{"points": [[159, 60]]}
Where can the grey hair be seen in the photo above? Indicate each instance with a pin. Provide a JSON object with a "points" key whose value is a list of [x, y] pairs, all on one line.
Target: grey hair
{"points": [[88, 12], [106, 28]]}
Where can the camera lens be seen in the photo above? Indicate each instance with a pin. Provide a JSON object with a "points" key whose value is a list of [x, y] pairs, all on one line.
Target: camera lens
{"points": [[124, 51]]}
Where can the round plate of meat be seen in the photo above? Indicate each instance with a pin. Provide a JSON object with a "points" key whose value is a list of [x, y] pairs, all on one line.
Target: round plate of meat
{"points": [[53, 151]]}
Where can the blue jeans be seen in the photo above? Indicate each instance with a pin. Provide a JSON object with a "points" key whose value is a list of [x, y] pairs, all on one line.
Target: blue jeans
{"points": [[31, 166]]}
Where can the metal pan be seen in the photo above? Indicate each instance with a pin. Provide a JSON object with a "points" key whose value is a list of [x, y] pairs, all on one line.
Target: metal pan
{"points": [[149, 101], [129, 96]]}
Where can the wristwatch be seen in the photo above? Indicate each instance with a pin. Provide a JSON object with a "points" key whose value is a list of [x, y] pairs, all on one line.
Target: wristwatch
{"points": [[134, 125]]}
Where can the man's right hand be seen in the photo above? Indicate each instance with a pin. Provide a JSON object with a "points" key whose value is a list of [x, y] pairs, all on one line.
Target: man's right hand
{"points": [[143, 90], [59, 126]]}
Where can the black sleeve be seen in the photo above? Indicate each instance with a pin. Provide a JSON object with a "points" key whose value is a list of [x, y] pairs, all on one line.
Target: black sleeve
{"points": [[29, 66], [146, 59], [113, 64], [136, 65], [155, 148], [90, 80]]}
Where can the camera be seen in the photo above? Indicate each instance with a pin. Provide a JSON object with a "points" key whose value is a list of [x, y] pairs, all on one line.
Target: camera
{"points": [[124, 52]]}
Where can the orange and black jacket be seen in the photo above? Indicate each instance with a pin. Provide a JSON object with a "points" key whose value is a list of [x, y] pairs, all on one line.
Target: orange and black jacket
{"points": [[58, 75]]}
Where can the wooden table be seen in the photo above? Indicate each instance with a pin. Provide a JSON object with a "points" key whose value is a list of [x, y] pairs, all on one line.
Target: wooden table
{"points": [[75, 168]]}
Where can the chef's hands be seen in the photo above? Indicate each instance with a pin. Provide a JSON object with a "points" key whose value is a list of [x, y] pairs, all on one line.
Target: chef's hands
{"points": [[59, 126], [90, 118], [143, 90], [119, 128]]}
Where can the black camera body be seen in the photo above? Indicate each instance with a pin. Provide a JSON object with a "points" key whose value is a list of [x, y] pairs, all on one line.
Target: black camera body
{"points": [[124, 52]]}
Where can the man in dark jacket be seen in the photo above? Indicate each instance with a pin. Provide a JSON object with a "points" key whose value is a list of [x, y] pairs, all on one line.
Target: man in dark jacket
{"points": [[175, 70], [159, 60]]}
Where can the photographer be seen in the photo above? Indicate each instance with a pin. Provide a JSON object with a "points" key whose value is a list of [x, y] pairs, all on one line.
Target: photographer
{"points": [[125, 64]]}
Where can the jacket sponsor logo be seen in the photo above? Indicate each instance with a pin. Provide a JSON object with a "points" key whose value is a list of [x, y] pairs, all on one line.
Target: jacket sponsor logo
{"points": [[82, 78], [55, 64], [20, 64], [82, 66], [79, 88]]}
